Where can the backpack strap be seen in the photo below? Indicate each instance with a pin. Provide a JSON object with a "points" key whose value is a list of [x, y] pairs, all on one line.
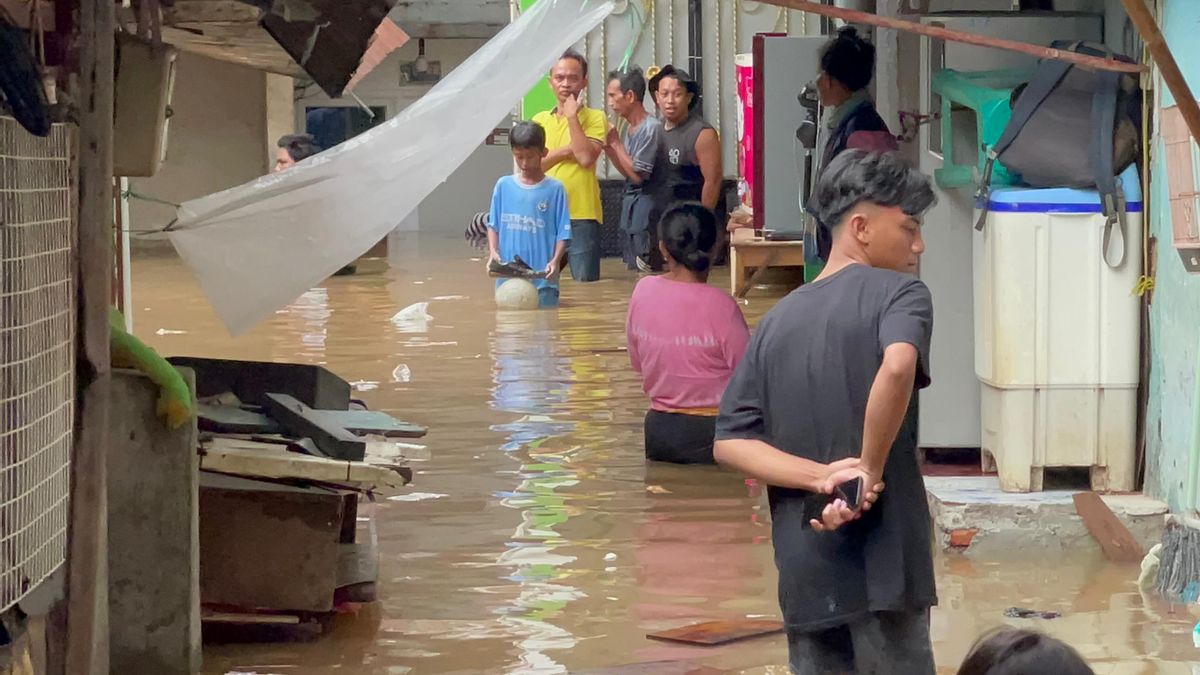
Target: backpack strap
{"points": [[1100, 153], [1049, 75]]}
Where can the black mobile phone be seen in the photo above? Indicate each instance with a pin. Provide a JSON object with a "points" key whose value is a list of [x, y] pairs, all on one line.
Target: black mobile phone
{"points": [[851, 492]]}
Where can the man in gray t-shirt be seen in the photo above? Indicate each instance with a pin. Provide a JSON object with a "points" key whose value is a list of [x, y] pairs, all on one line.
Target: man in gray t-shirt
{"points": [[639, 154], [830, 375]]}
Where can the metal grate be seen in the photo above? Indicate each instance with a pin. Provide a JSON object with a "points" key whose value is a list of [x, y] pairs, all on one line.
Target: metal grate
{"points": [[37, 355]]}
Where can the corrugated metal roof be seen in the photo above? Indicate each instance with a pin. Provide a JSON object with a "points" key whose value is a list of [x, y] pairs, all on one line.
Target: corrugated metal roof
{"points": [[388, 38]]}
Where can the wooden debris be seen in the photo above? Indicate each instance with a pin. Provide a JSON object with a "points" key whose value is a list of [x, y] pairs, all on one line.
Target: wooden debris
{"points": [[261, 619], [363, 422], [1108, 530], [357, 564], [234, 420], [320, 425], [252, 380], [657, 668], [712, 633], [267, 460]]}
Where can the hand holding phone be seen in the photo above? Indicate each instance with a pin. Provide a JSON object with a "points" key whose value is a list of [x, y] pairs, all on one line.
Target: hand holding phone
{"points": [[851, 492]]}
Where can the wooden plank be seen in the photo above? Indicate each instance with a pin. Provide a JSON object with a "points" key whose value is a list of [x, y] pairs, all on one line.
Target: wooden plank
{"points": [[1142, 19], [1116, 540], [234, 420], [374, 422], [247, 618], [712, 633], [267, 549], [210, 11], [265, 460], [867, 18], [357, 564], [86, 650], [300, 420], [657, 668]]}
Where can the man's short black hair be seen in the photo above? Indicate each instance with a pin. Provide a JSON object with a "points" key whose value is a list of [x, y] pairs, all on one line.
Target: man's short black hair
{"points": [[577, 57], [857, 176], [849, 59], [631, 80], [299, 146], [527, 136]]}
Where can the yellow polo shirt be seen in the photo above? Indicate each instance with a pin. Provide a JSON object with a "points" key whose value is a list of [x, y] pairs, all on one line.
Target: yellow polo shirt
{"points": [[583, 188]]}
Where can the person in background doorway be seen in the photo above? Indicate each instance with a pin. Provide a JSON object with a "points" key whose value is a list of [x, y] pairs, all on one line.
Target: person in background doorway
{"points": [[852, 123], [529, 216], [830, 375], [685, 339], [694, 169], [575, 136], [294, 148], [1013, 651], [640, 156]]}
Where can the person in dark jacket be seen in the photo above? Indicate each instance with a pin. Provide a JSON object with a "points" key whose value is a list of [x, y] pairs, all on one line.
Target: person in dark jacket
{"points": [[851, 121]]}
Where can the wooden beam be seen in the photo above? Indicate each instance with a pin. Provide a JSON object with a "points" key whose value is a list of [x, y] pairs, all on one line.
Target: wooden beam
{"points": [[87, 542], [210, 11], [854, 16], [452, 31], [1118, 544], [1147, 27]]}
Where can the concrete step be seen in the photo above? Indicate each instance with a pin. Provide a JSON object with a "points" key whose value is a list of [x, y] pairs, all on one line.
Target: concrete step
{"points": [[972, 516]]}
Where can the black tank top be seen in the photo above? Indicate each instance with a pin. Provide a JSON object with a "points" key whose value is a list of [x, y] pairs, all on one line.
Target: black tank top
{"points": [[685, 181]]}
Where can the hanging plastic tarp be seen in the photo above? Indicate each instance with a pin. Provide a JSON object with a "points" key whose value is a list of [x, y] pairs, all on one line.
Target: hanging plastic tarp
{"points": [[257, 247]]}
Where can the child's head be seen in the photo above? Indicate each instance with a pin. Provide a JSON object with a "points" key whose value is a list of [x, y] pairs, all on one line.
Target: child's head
{"points": [[1013, 651], [528, 141], [687, 234]]}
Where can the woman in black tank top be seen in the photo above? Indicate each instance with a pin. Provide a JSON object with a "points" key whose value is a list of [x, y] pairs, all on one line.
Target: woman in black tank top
{"points": [[694, 171]]}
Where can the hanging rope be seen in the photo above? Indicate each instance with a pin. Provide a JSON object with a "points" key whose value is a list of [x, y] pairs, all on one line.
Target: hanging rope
{"points": [[130, 194]]}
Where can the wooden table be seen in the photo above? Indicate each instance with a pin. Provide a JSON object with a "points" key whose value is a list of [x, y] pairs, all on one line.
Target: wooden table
{"points": [[748, 251]]}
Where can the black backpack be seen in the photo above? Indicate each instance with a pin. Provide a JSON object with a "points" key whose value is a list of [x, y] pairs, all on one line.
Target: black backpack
{"points": [[1072, 127]]}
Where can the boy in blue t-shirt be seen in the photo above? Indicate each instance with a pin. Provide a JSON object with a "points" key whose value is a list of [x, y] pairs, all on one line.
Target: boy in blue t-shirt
{"points": [[529, 216]]}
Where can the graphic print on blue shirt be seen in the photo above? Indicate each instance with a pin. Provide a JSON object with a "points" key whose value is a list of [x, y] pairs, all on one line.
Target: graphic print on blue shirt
{"points": [[530, 220]]}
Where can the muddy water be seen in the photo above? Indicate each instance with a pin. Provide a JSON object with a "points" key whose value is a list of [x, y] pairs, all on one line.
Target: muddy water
{"points": [[537, 539]]}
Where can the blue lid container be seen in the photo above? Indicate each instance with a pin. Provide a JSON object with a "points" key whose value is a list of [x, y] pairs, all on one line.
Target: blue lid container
{"points": [[1063, 200]]}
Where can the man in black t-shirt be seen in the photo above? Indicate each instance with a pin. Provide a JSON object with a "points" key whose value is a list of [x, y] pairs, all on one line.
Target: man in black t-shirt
{"points": [[830, 375]]}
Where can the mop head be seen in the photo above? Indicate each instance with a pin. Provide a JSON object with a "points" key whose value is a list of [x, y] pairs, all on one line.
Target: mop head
{"points": [[1179, 569]]}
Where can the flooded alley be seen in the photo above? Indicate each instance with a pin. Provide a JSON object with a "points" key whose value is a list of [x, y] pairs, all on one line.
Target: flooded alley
{"points": [[537, 539]]}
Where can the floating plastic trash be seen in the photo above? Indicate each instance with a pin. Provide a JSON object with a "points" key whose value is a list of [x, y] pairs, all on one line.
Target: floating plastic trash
{"points": [[413, 319]]}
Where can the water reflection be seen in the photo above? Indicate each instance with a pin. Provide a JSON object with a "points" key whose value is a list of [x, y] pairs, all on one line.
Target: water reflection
{"points": [[533, 382]]}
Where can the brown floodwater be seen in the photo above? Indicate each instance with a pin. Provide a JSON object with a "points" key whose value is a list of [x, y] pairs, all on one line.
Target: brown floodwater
{"points": [[537, 539]]}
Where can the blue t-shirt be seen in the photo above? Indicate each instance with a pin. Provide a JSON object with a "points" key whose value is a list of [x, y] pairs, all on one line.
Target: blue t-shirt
{"points": [[530, 220]]}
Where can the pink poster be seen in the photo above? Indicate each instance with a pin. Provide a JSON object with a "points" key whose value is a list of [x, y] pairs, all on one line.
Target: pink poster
{"points": [[744, 68]]}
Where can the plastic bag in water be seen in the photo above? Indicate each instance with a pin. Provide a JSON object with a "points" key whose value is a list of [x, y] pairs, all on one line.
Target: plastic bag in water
{"points": [[413, 319], [257, 247]]}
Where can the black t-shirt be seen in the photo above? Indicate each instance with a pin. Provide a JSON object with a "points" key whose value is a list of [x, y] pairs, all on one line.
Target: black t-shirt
{"points": [[803, 388], [684, 179]]}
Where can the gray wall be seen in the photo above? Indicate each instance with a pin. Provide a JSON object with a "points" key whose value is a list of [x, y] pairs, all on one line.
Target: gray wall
{"points": [[217, 139]]}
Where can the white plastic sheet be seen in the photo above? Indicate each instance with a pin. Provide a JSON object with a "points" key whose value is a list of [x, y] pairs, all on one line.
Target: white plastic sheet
{"points": [[257, 247]]}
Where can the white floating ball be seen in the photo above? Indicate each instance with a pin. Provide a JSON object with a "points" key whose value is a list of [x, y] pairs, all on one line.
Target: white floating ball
{"points": [[517, 294]]}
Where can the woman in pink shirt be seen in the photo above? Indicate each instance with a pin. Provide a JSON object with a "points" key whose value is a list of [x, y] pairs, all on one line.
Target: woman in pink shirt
{"points": [[685, 339]]}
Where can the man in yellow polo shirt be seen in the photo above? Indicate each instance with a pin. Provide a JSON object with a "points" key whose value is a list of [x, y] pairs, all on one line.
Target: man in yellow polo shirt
{"points": [[575, 137]]}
